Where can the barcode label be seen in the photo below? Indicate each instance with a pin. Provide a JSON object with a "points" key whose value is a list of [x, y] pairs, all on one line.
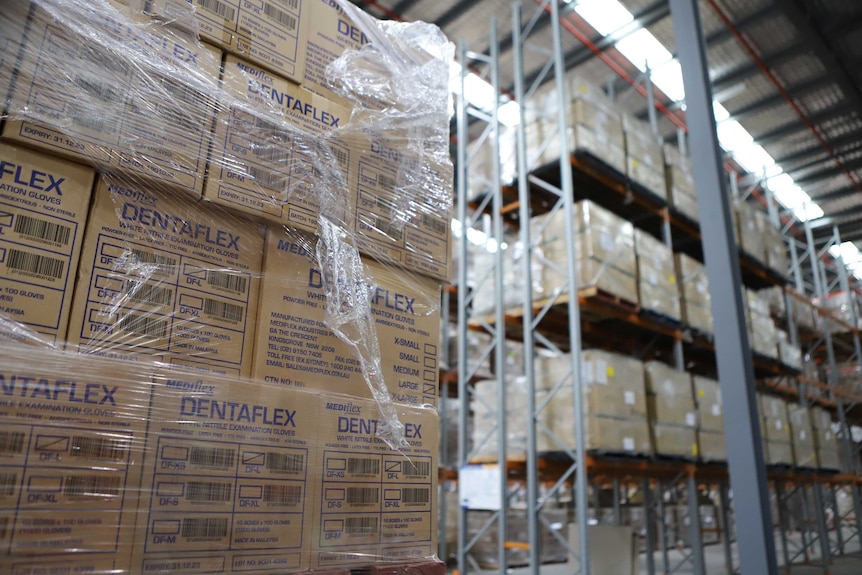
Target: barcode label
{"points": [[8, 481], [43, 230], [279, 16], [387, 182], [99, 447], [416, 468], [144, 326], [271, 154], [148, 293], [230, 282], [341, 156], [91, 486], [436, 225], [282, 494], [208, 491], [97, 120], [204, 528], [212, 457], [11, 441], [389, 229], [266, 128], [360, 495], [294, 4], [385, 206], [363, 466], [181, 91], [415, 495], [223, 310], [360, 525], [285, 462], [218, 8], [166, 264], [268, 179], [4, 527], [95, 88], [34, 264]]}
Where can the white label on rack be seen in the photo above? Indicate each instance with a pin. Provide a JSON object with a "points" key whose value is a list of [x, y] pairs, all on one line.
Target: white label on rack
{"points": [[701, 288], [629, 443], [601, 371], [779, 425], [588, 371], [629, 397], [690, 419], [479, 487], [716, 409]]}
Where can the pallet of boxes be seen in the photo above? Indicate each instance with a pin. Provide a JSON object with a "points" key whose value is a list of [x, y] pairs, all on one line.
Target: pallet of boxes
{"points": [[200, 372]]}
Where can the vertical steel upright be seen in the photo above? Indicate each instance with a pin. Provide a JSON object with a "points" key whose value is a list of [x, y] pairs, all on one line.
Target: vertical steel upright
{"points": [[555, 65], [736, 372], [492, 202]]}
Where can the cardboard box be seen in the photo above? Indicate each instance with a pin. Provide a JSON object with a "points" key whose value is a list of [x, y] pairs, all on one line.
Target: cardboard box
{"points": [[750, 234], [388, 509], [613, 384], [73, 436], [658, 289], [684, 203], [698, 316], [675, 440], [265, 158], [484, 420], [43, 209], [829, 459], [609, 434], [711, 445], [231, 476], [776, 423], [779, 453], [707, 394], [644, 158], [160, 278], [270, 34], [591, 273], [137, 101], [693, 280], [670, 397], [583, 139], [11, 32], [551, 228], [295, 348], [653, 252]]}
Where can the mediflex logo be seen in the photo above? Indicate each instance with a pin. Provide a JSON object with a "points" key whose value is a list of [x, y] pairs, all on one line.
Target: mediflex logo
{"points": [[42, 181], [343, 407]]}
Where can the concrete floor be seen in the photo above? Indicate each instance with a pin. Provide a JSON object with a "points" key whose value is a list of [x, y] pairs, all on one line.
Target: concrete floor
{"points": [[850, 564]]}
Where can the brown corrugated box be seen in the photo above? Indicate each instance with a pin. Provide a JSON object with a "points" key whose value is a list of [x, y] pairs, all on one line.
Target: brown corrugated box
{"points": [[709, 405], [711, 445], [803, 435], [670, 395], [779, 453], [270, 33], [73, 442], [653, 252], [391, 515], [162, 278], [658, 290], [150, 118], [231, 477], [15, 14], [266, 148], [295, 348], [693, 280], [588, 216], [644, 157], [774, 412], [43, 210], [603, 433], [675, 440], [750, 232], [698, 316]]}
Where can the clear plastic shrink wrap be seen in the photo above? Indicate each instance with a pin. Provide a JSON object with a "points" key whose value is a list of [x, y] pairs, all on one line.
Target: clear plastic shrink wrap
{"points": [[230, 253]]}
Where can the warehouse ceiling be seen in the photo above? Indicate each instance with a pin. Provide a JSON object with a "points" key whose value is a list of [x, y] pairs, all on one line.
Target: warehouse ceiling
{"points": [[787, 80]]}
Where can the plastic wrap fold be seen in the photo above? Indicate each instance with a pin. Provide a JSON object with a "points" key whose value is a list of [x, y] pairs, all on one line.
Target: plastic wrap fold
{"points": [[254, 193]]}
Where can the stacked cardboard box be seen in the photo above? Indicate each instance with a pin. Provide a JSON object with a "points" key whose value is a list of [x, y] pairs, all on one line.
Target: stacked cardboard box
{"points": [[672, 411], [841, 307], [750, 225], [681, 191], [761, 328], [486, 418], [694, 287], [605, 252], [804, 452], [710, 432], [825, 442], [615, 404], [776, 248], [777, 434], [658, 289], [644, 157], [788, 353], [595, 126]]}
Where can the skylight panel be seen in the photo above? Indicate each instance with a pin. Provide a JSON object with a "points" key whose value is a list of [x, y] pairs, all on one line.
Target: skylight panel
{"points": [[733, 136], [642, 49], [605, 16], [668, 78]]}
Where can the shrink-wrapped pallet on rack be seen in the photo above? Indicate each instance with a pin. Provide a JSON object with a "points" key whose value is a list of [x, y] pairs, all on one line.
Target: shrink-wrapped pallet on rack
{"points": [[605, 250], [826, 444], [672, 412], [595, 125], [615, 406], [710, 416], [750, 224], [839, 308], [777, 434], [644, 157], [658, 289], [804, 452], [761, 328], [222, 183], [776, 248], [694, 288], [788, 353], [486, 418], [681, 190]]}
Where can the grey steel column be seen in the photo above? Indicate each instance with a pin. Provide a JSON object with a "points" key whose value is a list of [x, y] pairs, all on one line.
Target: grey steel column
{"points": [[694, 527], [463, 397], [618, 516], [839, 536], [823, 532], [782, 523], [736, 374], [662, 524], [533, 537], [567, 191], [649, 526], [724, 501]]}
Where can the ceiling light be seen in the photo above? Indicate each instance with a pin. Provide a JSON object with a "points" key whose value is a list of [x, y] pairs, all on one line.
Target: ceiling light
{"points": [[668, 78], [732, 135]]}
